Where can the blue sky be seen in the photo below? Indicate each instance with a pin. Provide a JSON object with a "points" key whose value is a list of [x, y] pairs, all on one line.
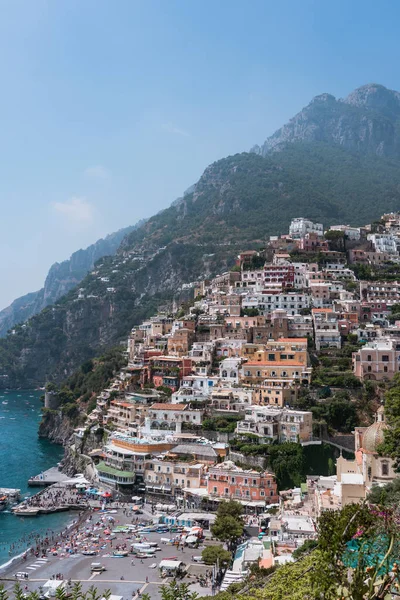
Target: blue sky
{"points": [[110, 110]]}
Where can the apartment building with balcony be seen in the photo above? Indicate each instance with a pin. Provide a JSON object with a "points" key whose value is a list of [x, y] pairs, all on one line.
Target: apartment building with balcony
{"points": [[285, 359], [231, 399], [266, 302], [326, 328], [276, 424], [229, 481], [300, 226], [169, 477], [172, 417], [375, 291]]}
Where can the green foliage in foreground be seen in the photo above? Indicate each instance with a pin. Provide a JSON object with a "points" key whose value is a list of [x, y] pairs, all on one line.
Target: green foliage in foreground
{"points": [[172, 591], [391, 445], [322, 574], [388, 495]]}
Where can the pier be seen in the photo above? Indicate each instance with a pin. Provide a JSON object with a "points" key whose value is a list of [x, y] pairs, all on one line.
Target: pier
{"points": [[49, 477], [55, 496]]}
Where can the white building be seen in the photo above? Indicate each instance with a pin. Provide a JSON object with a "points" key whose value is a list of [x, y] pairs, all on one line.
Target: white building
{"points": [[266, 303], [352, 233], [281, 424], [300, 226], [384, 242], [229, 370]]}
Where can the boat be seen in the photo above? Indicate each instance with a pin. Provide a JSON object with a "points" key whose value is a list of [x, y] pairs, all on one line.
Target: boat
{"points": [[3, 503], [120, 553]]}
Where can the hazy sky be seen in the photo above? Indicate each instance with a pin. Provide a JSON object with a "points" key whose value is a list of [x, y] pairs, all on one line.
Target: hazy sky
{"points": [[109, 110]]}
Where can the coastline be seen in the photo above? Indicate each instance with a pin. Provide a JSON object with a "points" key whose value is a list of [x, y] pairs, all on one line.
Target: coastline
{"points": [[6, 573]]}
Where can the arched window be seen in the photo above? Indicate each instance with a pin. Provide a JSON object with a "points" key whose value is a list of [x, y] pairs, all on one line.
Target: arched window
{"points": [[385, 468], [233, 373], [224, 374]]}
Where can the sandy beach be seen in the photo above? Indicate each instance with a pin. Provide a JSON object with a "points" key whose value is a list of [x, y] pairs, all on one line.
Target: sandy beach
{"points": [[94, 538]]}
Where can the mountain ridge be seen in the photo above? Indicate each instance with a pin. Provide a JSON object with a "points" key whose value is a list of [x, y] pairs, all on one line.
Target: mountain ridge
{"points": [[236, 204], [367, 120], [60, 279]]}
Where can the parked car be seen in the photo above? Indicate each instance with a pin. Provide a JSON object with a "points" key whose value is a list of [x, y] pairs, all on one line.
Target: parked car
{"points": [[97, 567]]}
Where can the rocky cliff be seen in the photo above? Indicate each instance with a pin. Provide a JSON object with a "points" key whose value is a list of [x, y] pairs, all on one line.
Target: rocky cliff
{"points": [[368, 121]]}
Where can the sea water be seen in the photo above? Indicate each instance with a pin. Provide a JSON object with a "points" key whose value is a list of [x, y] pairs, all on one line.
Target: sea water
{"points": [[22, 455]]}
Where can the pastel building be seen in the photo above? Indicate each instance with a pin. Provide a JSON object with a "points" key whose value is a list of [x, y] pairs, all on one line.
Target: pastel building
{"points": [[229, 481], [378, 359]]}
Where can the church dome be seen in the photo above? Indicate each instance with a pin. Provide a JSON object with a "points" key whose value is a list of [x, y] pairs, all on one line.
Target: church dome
{"points": [[374, 434]]}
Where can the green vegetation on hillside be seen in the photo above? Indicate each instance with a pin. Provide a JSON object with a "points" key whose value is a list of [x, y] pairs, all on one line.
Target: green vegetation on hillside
{"points": [[238, 202]]}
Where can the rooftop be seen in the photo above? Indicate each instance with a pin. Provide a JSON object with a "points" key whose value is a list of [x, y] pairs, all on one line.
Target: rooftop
{"points": [[161, 406]]}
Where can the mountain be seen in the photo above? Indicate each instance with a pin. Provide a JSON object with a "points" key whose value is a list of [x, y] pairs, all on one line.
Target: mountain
{"points": [[237, 203], [61, 278], [368, 120]]}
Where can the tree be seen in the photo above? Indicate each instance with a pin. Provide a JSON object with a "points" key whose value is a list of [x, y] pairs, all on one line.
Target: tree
{"points": [[388, 495], [231, 508], [228, 529], [216, 554]]}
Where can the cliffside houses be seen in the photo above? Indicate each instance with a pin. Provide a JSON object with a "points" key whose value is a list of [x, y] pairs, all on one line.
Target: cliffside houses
{"points": [[241, 352]]}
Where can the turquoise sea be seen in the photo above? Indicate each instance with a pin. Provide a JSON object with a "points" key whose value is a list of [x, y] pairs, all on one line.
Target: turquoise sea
{"points": [[23, 454]]}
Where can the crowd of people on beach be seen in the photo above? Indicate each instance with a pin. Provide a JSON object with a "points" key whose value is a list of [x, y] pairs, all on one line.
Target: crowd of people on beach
{"points": [[55, 496]]}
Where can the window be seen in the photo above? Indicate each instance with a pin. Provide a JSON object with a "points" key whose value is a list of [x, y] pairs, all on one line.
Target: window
{"points": [[385, 469], [233, 480], [226, 491], [262, 493], [271, 356], [369, 358], [385, 369], [214, 488], [245, 482]]}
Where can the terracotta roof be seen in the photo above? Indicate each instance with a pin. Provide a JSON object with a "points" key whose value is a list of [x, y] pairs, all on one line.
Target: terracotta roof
{"points": [[161, 406]]}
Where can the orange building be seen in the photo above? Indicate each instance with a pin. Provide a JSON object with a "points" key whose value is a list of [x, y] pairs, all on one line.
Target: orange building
{"points": [[285, 359], [229, 481]]}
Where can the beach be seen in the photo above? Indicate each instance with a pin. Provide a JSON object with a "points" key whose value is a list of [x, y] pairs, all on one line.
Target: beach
{"points": [[64, 557]]}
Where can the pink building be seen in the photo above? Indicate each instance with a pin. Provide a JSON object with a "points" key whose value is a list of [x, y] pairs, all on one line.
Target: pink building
{"points": [[229, 481], [379, 359]]}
